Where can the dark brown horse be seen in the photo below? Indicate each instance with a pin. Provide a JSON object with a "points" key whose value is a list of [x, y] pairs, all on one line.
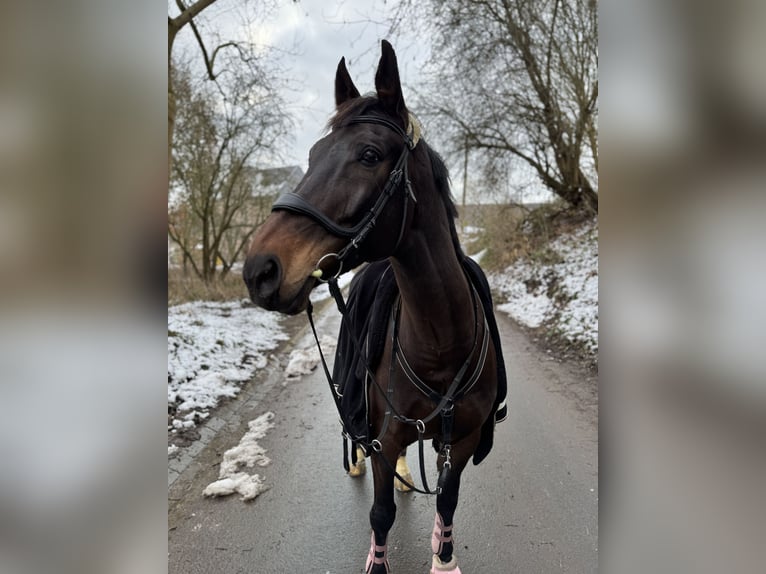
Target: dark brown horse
{"points": [[374, 190]]}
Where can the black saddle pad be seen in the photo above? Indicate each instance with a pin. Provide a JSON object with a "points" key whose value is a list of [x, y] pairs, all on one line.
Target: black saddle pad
{"points": [[371, 297]]}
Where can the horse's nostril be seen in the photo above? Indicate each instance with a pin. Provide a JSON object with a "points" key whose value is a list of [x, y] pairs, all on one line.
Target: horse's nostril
{"points": [[263, 274], [267, 279]]}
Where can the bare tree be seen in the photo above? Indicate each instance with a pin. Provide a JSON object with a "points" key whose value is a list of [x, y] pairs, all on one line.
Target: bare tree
{"points": [[518, 78], [217, 60], [216, 142]]}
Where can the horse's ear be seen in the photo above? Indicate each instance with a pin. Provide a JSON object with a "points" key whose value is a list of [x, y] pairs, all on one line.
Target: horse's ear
{"points": [[344, 86], [388, 85]]}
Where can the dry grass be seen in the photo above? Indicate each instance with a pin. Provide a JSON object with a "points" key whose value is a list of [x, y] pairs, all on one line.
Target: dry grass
{"points": [[183, 288], [511, 233]]}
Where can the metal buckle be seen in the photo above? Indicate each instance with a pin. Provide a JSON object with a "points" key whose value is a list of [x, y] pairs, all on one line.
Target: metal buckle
{"points": [[376, 446], [447, 456], [340, 266]]}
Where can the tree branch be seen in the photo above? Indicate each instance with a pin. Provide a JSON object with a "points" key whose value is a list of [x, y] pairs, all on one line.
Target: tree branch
{"points": [[208, 60], [184, 249], [188, 13]]}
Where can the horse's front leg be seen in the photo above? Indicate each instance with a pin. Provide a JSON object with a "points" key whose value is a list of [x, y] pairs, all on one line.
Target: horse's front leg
{"points": [[442, 541], [383, 510]]}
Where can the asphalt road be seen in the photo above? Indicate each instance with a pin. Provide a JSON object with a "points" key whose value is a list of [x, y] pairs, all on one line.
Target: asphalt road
{"points": [[531, 507]]}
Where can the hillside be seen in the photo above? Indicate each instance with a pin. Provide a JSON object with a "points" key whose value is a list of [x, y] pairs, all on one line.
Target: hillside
{"points": [[553, 290]]}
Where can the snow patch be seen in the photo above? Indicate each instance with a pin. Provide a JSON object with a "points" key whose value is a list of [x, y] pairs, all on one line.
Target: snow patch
{"points": [[322, 291], [249, 486], [562, 295], [213, 349], [303, 361], [527, 308], [248, 453]]}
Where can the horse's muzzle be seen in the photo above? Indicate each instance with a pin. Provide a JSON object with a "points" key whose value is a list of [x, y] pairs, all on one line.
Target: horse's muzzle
{"points": [[263, 277]]}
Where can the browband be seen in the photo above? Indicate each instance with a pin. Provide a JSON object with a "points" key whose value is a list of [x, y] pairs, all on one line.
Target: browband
{"points": [[369, 119]]}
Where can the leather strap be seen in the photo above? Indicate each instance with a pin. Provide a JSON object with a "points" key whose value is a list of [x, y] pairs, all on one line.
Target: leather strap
{"points": [[297, 204]]}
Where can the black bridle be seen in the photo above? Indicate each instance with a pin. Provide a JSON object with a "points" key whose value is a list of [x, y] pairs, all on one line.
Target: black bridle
{"points": [[358, 233]]}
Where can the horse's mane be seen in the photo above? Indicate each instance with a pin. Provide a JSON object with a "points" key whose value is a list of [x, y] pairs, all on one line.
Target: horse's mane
{"points": [[442, 180], [368, 104]]}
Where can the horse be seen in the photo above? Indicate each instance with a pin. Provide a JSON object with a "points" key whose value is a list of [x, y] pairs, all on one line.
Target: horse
{"points": [[375, 191]]}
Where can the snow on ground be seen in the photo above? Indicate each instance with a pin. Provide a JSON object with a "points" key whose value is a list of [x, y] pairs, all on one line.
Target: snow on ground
{"points": [[213, 348], [247, 454], [561, 295], [322, 291], [304, 360]]}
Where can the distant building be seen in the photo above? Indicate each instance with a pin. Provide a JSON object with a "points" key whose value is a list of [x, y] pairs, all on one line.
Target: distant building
{"points": [[273, 182], [265, 186]]}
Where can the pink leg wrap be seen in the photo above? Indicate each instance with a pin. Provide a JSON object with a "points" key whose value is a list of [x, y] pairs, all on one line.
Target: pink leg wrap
{"points": [[377, 555], [440, 535]]}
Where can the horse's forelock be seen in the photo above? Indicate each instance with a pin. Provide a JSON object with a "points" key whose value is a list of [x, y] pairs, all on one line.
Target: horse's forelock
{"points": [[350, 109]]}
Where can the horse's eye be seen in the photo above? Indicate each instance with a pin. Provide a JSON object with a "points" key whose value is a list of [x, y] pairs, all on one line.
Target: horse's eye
{"points": [[369, 157]]}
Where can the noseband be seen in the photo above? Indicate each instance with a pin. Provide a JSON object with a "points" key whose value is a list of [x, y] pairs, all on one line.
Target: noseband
{"points": [[295, 203]]}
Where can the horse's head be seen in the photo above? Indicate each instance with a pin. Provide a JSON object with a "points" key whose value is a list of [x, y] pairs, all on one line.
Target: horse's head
{"points": [[350, 206]]}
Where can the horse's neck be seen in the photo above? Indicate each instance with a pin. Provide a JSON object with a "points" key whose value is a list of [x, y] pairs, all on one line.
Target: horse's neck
{"points": [[437, 307]]}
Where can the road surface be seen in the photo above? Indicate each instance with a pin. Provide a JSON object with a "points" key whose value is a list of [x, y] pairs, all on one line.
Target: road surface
{"points": [[531, 507]]}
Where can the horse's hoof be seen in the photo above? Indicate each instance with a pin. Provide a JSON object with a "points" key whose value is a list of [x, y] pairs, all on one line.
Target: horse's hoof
{"points": [[360, 467], [404, 471], [384, 568], [357, 469], [439, 567], [400, 486]]}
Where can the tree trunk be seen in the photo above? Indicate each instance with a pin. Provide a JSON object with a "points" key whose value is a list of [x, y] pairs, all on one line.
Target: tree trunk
{"points": [[172, 31], [584, 198]]}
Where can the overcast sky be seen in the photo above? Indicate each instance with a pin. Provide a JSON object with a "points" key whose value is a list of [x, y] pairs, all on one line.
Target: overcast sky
{"points": [[317, 33], [322, 32]]}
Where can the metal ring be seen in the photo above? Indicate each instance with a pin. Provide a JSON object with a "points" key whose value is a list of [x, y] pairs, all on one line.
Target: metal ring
{"points": [[376, 446], [421, 426], [340, 266]]}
